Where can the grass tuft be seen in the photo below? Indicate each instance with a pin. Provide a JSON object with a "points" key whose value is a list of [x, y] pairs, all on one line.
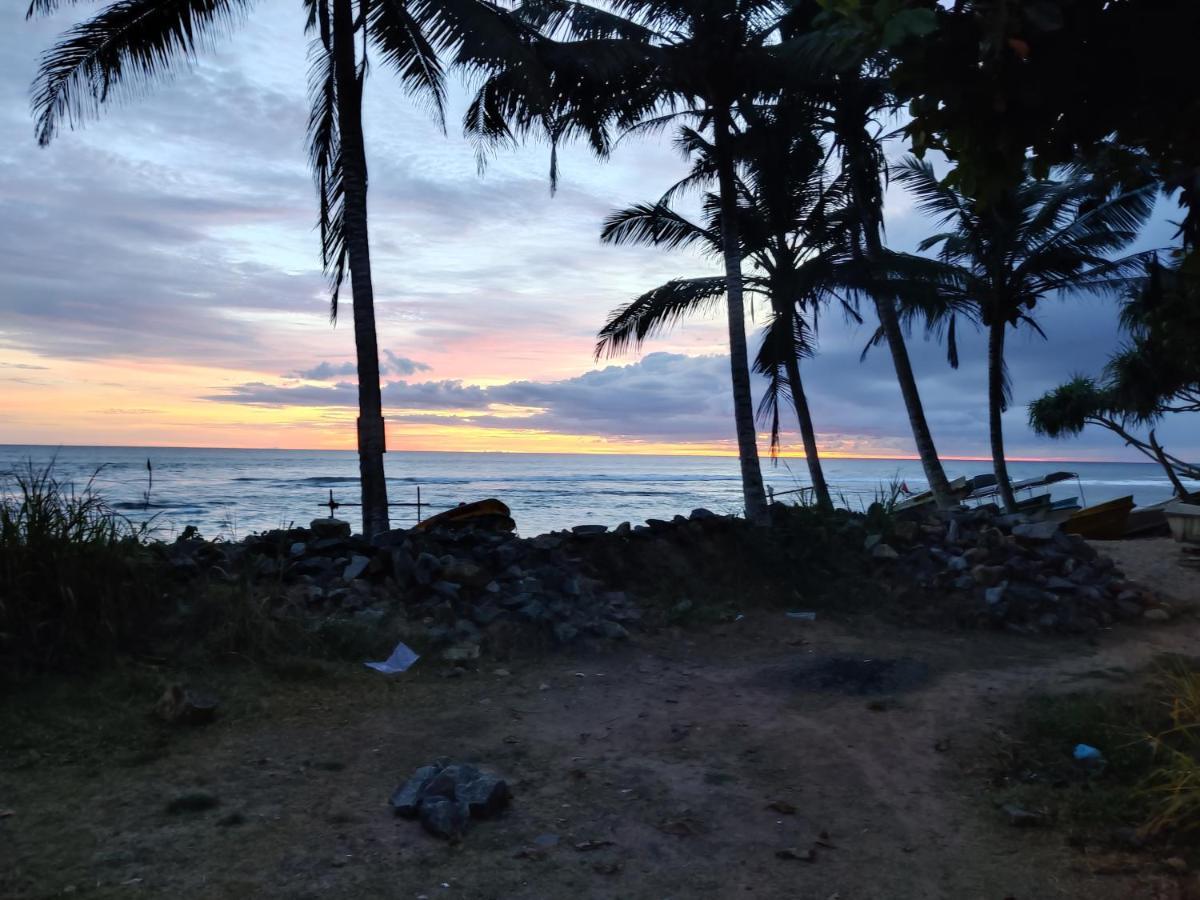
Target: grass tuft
{"points": [[75, 576]]}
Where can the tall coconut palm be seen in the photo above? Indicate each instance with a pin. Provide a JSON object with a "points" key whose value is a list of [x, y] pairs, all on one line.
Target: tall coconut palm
{"points": [[130, 42], [787, 222], [1039, 238], [637, 65], [853, 100]]}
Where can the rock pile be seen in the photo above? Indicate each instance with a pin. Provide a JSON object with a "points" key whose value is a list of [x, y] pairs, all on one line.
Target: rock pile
{"points": [[461, 587], [1004, 571], [446, 796]]}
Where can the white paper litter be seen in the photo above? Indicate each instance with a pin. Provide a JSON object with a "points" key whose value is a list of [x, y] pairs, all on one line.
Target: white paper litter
{"points": [[401, 660]]}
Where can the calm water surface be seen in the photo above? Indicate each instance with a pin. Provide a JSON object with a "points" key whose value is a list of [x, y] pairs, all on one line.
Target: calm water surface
{"points": [[232, 493]]}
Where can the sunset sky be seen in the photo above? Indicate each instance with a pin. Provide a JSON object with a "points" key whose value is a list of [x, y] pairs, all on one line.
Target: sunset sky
{"points": [[160, 284]]}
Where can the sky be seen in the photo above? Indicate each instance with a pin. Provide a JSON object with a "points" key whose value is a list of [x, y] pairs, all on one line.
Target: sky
{"points": [[160, 284]]}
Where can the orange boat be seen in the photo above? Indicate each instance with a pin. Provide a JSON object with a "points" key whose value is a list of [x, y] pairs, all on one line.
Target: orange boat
{"points": [[1102, 522], [490, 513]]}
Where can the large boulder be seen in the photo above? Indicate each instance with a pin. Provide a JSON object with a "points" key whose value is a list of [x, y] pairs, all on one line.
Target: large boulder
{"points": [[329, 528]]}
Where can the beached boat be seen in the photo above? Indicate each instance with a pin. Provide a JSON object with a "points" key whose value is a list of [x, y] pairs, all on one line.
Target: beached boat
{"points": [[1184, 519], [489, 513], [1147, 521], [959, 488], [1102, 522]]}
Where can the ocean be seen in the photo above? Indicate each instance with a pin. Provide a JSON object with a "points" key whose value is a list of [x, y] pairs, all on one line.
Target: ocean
{"points": [[232, 493]]}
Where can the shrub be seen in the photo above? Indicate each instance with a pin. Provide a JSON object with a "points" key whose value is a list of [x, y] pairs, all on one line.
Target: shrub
{"points": [[76, 580]]}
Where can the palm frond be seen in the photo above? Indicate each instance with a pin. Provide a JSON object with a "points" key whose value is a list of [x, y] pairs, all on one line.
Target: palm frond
{"points": [[404, 45], [656, 224], [127, 44], [325, 157], [657, 310]]}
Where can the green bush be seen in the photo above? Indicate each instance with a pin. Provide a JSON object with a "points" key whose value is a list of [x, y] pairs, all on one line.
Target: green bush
{"points": [[76, 578]]}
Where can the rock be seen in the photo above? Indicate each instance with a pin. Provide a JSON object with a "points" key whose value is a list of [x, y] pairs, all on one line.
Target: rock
{"points": [[589, 529], [297, 549], [484, 796], [565, 632], [329, 528], [426, 568], [356, 567], [958, 564], [445, 818], [986, 576], [464, 571], [994, 595], [1157, 614], [181, 706], [623, 529], [883, 551], [461, 652], [702, 513], [872, 541], [447, 589], [906, 531], [406, 799], [1036, 532]]}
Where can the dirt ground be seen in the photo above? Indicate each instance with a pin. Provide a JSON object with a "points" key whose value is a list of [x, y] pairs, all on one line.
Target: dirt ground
{"points": [[649, 772], [1155, 561]]}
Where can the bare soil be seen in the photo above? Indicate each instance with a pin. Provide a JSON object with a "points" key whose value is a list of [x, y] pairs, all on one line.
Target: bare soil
{"points": [[678, 766]]}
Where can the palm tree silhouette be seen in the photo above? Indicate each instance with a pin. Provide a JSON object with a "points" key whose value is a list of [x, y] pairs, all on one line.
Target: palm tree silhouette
{"points": [[1000, 259], [853, 99], [130, 42], [789, 226], [639, 65]]}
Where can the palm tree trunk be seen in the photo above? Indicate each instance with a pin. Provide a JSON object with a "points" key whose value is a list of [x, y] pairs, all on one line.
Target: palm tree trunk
{"points": [[808, 435], [995, 409], [753, 493], [371, 439], [889, 321]]}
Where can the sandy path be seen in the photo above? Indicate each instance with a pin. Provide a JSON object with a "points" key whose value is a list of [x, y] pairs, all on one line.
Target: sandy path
{"points": [[671, 749]]}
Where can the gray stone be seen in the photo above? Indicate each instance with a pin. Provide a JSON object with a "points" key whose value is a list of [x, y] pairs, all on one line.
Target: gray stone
{"points": [[623, 529], [406, 799], [702, 513], [883, 551], [994, 595], [445, 818], [872, 541], [1036, 532], [565, 632], [426, 569], [461, 652], [1156, 615], [297, 549], [958, 564], [329, 528], [485, 796], [447, 589], [356, 567], [464, 571]]}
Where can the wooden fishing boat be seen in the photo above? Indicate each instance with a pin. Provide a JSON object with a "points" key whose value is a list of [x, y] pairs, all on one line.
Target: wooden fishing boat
{"points": [[490, 513], [959, 488], [1102, 522], [1146, 521], [1184, 519]]}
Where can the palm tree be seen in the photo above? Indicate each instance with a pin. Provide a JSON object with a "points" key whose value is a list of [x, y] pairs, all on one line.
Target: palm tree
{"points": [[1041, 237], [853, 99], [787, 223], [129, 42], [637, 65]]}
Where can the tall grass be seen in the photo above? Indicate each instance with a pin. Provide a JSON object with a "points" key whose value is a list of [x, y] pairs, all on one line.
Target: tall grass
{"points": [[75, 577], [1174, 783]]}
